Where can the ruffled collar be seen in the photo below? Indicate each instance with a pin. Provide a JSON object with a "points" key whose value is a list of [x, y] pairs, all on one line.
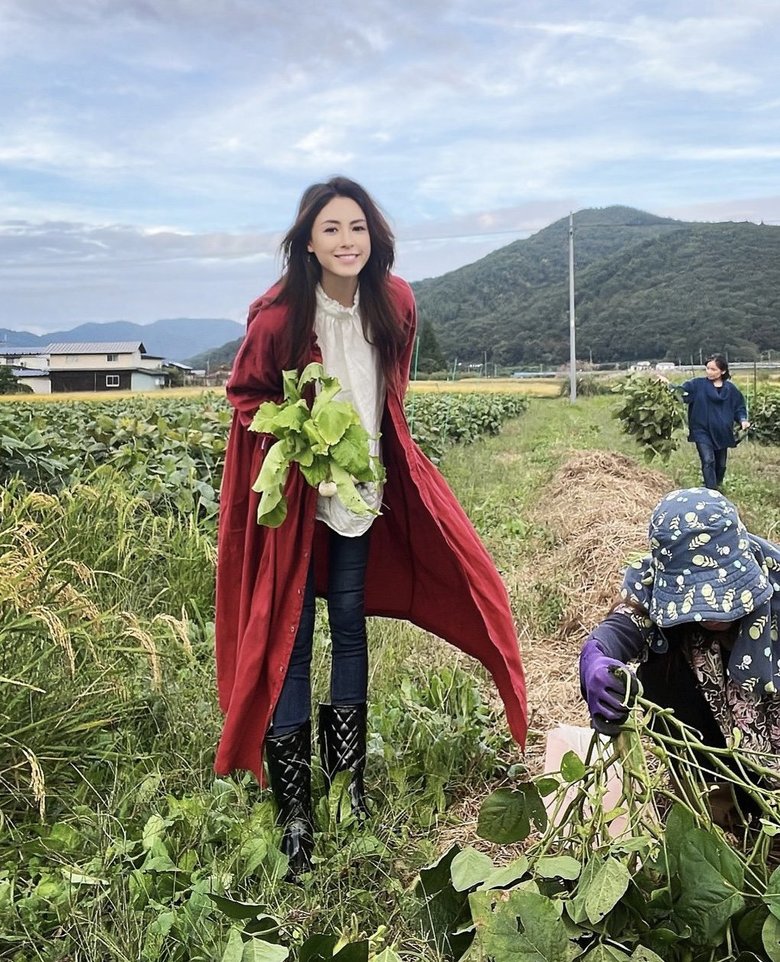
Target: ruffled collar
{"points": [[335, 308]]}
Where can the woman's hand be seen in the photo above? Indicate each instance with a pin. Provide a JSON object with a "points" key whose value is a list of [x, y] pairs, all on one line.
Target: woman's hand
{"points": [[745, 425]]}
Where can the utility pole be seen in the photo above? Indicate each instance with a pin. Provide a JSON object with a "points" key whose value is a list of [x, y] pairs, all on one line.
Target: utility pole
{"points": [[572, 344]]}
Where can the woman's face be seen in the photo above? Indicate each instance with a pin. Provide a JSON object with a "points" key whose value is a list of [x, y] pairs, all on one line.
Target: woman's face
{"points": [[340, 241], [713, 372]]}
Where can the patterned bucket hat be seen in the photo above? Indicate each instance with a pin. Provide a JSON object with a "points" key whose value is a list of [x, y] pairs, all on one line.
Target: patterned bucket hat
{"points": [[705, 566]]}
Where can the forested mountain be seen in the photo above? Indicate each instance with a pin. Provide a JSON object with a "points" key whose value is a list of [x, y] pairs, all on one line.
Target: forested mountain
{"points": [[646, 288], [217, 358]]}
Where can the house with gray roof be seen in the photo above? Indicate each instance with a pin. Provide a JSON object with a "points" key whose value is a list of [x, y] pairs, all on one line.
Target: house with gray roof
{"points": [[86, 366]]}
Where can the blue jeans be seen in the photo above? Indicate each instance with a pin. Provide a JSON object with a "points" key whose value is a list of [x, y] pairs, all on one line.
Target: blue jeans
{"points": [[347, 559], [713, 464]]}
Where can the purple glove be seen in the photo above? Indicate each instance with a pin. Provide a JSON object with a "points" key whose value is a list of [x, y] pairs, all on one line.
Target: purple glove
{"points": [[604, 687]]}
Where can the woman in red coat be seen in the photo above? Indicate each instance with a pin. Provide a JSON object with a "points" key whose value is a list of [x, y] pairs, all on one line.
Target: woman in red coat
{"points": [[419, 558]]}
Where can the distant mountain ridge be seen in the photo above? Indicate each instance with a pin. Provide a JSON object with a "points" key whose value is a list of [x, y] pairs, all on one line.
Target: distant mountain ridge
{"points": [[175, 339], [646, 287]]}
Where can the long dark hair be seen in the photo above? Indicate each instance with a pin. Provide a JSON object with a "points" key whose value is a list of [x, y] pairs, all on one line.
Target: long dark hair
{"points": [[301, 274], [723, 365]]}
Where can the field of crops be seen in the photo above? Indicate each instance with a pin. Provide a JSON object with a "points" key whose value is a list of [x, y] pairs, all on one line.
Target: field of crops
{"points": [[118, 843]]}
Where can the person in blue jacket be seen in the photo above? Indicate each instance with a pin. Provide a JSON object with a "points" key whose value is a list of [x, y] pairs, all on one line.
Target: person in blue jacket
{"points": [[715, 405]]}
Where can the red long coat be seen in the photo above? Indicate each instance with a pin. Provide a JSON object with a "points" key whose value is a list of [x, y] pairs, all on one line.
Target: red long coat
{"points": [[426, 562]]}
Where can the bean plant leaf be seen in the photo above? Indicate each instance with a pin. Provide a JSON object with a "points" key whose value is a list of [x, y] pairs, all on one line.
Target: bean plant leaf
{"points": [[443, 908], [772, 895], [318, 947], [608, 887], [575, 907], [546, 785], [572, 767], [234, 950], [679, 823], [503, 817], [469, 868], [750, 927], [642, 954], [506, 875], [770, 936], [235, 909], [520, 926], [607, 953], [711, 877], [558, 866], [256, 950]]}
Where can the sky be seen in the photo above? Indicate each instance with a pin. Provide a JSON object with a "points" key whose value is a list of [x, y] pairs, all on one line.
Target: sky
{"points": [[153, 152]]}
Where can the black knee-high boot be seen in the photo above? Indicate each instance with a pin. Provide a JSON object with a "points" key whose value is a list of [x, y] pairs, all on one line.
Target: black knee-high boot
{"points": [[289, 769], [342, 731]]}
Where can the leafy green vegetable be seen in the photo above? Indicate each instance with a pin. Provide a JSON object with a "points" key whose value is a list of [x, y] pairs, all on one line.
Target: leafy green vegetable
{"points": [[327, 442]]}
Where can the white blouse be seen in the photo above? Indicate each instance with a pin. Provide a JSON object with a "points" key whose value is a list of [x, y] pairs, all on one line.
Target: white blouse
{"points": [[348, 356]]}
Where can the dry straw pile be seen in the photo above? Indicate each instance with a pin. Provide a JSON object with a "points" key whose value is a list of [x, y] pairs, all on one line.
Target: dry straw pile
{"points": [[596, 509]]}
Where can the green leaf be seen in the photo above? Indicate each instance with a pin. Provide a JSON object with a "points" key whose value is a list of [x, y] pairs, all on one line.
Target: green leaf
{"points": [[772, 895], [290, 386], [503, 817], [558, 866], [443, 908], [280, 419], [156, 935], [679, 823], [642, 954], [256, 950], [313, 437], [608, 887], [469, 868], [312, 372], [711, 876], [318, 947], [520, 926], [506, 875], [271, 511], [770, 935], [750, 928], [234, 950], [273, 471], [235, 909], [572, 767], [347, 492], [354, 952], [546, 785], [317, 470], [154, 831], [333, 419], [607, 953], [351, 452]]}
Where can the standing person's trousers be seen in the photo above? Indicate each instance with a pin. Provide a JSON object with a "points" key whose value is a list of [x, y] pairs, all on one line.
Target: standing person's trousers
{"points": [[713, 464], [347, 559]]}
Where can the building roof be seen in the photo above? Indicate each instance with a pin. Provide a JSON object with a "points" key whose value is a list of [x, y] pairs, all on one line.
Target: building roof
{"points": [[94, 347], [11, 351]]}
